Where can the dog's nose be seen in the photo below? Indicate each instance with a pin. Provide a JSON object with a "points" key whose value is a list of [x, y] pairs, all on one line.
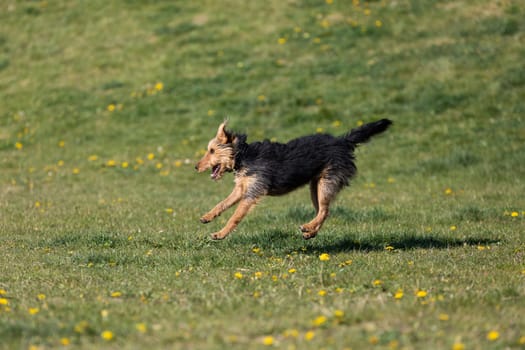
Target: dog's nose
{"points": [[196, 166]]}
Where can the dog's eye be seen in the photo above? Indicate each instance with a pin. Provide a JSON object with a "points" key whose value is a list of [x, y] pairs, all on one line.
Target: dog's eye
{"points": [[212, 151]]}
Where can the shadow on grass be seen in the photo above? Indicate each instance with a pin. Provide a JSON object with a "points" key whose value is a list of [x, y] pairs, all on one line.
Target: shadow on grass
{"points": [[287, 242]]}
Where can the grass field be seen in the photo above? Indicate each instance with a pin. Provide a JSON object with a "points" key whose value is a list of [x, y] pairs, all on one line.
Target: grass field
{"points": [[107, 105]]}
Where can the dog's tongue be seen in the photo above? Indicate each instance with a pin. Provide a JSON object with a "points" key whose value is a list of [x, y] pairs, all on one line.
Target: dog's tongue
{"points": [[215, 171]]}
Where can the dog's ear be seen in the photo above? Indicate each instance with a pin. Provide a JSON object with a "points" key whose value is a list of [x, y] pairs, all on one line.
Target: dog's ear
{"points": [[223, 136]]}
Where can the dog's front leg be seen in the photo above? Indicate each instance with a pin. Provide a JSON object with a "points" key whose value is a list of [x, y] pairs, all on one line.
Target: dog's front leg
{"points": [[232, 199], [238, 215]]}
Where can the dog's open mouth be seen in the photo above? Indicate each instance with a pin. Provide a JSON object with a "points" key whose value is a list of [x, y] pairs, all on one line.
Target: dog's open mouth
{"points": [[215, 170]]}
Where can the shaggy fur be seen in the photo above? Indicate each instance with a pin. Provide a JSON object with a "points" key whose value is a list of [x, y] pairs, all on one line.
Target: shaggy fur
{"points": [[323, 161]]}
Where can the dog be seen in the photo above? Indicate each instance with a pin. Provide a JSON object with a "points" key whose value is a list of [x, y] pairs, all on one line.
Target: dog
{"points": [[323, 161]]}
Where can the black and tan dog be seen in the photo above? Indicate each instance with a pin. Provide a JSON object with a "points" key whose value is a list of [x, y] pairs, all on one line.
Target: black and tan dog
{"points": [[270, 168]]}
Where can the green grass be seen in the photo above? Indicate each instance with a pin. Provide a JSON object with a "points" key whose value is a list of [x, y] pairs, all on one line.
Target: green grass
{"points": [[100, 205]]}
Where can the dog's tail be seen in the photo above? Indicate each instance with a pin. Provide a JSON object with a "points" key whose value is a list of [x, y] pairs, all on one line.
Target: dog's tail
{"points": [[363, 133]]}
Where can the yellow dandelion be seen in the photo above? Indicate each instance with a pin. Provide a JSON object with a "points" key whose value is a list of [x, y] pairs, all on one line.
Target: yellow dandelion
{"points": [[458, 346], [378, 23], [329, 2], [339, 313], [124, 165], [4, 302], [258, 274], [116, 294], [336, 124], [373, 340], [61, 143], [3, 291], [421, 294], [107, 335], [111, 163], [159, 86], [41, 296], [377, 282], [65, 341], [141, 327], [169, 210], [324, 257], [211, 112], [453, 228], [60, 163], [291, 333], [319, 321], [321, 293], [256, 250], [33, 310], [325, 23], [367, 12], [238, 275], [261, 98], [151, 156], [111, 107], [19, 145], [281, 41], [444, 317], [360, 122], [93, 158], [268, 340], [521, 340], [178, 163], [389, 248], [492, 335], [159, 165], [399, 294], [308, 336], [514, 214], [291, 271], [448, 191], [76, 171], [390, 180], [316, 40], [256, 294]]}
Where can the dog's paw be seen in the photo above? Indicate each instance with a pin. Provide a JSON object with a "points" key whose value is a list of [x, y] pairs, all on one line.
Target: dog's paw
{"points": [[205, 219], [217, 236], [308, 232]]}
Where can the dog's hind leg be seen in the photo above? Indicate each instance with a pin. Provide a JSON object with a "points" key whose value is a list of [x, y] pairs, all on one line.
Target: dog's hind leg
{"points": [[240, 212], [327, 189], [313, 195]]}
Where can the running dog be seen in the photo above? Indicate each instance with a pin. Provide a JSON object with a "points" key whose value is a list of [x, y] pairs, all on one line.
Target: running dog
{"points": [[271, 168]]}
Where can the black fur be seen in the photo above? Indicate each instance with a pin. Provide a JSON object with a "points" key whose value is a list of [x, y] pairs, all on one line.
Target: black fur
{"points": [[282, 168]]}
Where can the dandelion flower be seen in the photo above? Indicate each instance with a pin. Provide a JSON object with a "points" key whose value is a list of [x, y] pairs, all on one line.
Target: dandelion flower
{"points": [[111, 163], [514, 214], [33, 310], [321, 293], [453, 228], [4, 302], [377, 282], [421, 294], [444, 317], [61, 143], [19, 145], [159, 86], [41, 296], [93, 158], [399, 294], [211, 112], [151, 156], [258, 274], [324, 257], [65, 341], [116, 294], [308, 336], [268, 340], [107, 335], [339, 313], [281, 41], [448, 191], [141, 327], [492, 335], [378, 23], [238, 275], [178, 163], [76, 171], [319, 321], [124, 165], [329, 2], [292, 271], [111, 107], [373, 340], [261, 98], [458, 346]]}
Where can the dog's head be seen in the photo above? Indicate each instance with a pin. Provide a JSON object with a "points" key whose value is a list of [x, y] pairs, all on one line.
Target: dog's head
{"points": [[220, 155]]}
